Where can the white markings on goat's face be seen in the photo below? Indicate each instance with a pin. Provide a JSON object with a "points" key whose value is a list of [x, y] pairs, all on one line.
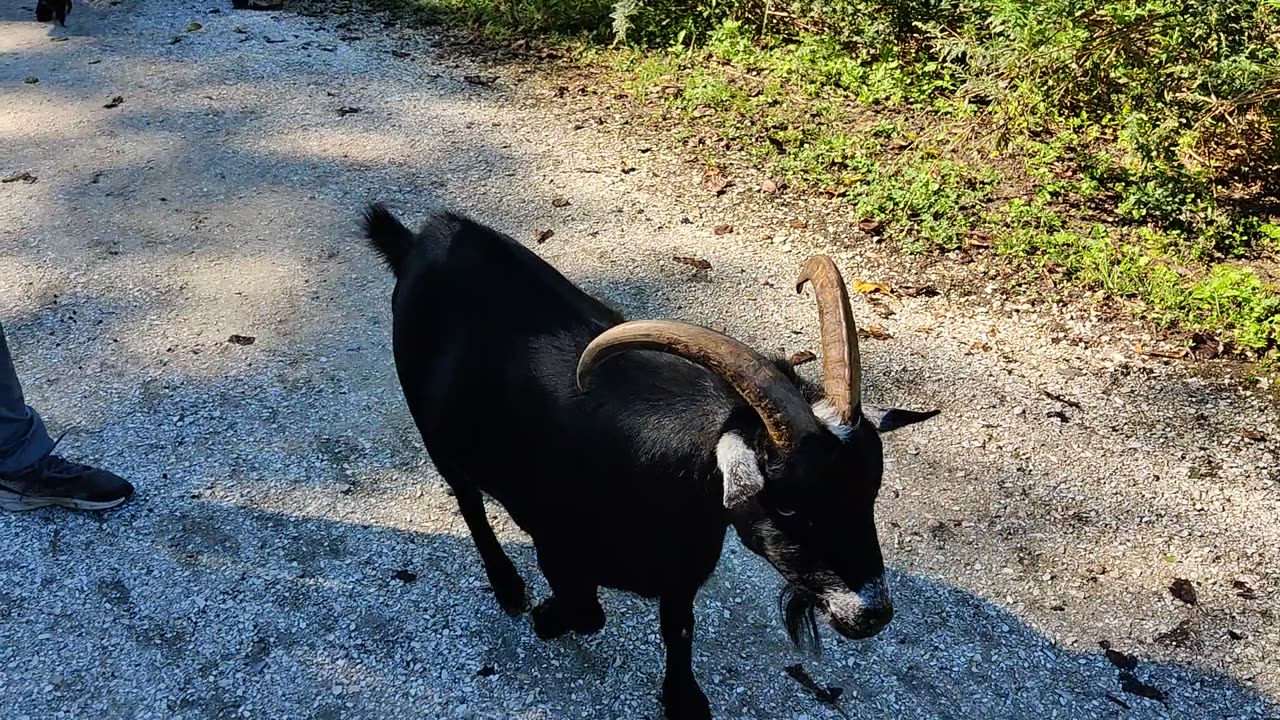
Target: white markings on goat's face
{"points": [[826, 412], [737, 463], [862, 613]]}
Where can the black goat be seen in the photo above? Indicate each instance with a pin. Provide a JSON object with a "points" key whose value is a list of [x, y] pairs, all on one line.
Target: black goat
{"points": [[46, 10], [629, 481]]}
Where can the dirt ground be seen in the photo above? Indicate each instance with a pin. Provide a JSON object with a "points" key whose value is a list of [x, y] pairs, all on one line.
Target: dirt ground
{"points": [[292, 554]]}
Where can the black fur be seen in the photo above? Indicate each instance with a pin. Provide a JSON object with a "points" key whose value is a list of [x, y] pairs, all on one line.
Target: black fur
{"points": [[798, 609], [388, 236], [618, 486], [47, 10]]}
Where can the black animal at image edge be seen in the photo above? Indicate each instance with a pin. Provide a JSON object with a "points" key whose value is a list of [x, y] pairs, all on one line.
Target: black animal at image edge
{"points": [[626, 449], [47, 10]]}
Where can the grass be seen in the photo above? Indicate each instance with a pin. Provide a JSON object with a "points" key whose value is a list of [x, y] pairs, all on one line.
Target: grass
{"points": [[1130, 148]]}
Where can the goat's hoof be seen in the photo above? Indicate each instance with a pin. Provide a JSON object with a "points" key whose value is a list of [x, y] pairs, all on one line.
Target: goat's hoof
{"points": [[511, 596], [553, 618], [590, 621], [548, 621], [685, 701]]}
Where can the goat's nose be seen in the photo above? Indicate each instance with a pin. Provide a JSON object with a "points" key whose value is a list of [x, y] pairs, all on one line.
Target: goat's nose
{"points": [[876, 618]]}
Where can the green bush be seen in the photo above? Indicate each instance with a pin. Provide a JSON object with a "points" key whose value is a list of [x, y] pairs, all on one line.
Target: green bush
{"points": [[1189, 88], [1130, 146]]}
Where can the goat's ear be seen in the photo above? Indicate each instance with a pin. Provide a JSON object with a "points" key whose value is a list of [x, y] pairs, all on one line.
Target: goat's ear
{"points": [[895, 418], [738, 467]]}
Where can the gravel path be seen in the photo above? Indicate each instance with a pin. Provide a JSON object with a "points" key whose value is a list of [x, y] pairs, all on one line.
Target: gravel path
{"points": [[291, 554]]}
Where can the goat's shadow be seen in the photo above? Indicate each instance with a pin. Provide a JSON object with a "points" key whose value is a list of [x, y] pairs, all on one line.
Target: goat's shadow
{"points": [[318, 618]]}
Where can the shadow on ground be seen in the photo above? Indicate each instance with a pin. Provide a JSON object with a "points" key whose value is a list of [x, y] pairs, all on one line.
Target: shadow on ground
{"points": [[283, 487], [311, 616]]}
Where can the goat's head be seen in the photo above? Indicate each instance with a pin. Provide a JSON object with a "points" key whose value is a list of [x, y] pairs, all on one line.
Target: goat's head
{"points": [[800, 480]]}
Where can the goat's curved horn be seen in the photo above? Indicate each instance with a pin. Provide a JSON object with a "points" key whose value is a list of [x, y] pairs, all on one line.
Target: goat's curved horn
{"points": [[786, 415], [841, 361]]}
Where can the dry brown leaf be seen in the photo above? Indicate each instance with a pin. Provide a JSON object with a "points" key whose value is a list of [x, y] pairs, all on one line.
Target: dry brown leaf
{"points": [[693, 262], [881, 307], [1251, 434], [1184, 590], [918, 290], [1205, 347], [979, 239], [875, 332], [1156, 352], [722, 229], [866, 288], [870, 227], [713, 181], [545, 235], [799, 223], [799, 358], [1243, 590]]}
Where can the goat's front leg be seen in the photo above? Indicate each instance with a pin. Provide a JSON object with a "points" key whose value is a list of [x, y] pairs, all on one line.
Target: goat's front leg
{"points": [[574, 604], [681, 697]]}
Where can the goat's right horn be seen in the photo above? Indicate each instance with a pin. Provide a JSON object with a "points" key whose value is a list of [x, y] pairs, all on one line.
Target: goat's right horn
{"points": [[781, 407], [841, 359]]}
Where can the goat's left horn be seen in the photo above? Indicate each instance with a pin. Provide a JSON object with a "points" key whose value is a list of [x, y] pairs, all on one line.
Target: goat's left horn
{"points": [[841, 360], [781, 407]]}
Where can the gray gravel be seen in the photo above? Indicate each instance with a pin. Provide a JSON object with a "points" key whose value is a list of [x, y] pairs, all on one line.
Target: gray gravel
{"points": [[282, 488]]}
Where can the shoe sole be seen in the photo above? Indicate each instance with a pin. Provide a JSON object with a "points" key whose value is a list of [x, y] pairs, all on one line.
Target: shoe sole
{"points": [[14, 502]]}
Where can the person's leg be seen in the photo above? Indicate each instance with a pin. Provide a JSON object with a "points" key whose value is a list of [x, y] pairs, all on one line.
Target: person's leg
{"points": [[23, 439], [31, 476]]}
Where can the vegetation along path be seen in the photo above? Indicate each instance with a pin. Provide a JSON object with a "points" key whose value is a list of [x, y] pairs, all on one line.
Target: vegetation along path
{"points": [[1084, 531]]}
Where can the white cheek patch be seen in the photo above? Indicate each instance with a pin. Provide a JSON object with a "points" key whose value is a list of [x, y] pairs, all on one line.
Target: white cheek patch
{"points": [[826, 412], [737, 463]]}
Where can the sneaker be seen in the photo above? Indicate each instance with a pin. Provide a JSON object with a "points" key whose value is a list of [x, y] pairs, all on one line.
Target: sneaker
{"points": [[57, 481]]}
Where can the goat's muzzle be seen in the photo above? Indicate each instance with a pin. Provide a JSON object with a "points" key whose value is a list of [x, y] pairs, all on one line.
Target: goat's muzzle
{"points": [[859, 614]]}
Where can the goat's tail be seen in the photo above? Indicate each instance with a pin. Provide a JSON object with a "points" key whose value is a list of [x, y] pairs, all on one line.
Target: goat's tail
{"points": [[388, 236]]}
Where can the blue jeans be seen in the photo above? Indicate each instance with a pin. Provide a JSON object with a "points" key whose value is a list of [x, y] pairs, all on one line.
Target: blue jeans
{"points": [[23, 439]]}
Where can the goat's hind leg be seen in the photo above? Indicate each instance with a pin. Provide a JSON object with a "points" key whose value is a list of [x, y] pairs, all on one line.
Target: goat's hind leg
{"points": [[507, 584], [574, 604]]}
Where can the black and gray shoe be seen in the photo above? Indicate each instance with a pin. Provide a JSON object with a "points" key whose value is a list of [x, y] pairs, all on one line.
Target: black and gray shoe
{"points": [[57, 481]]}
